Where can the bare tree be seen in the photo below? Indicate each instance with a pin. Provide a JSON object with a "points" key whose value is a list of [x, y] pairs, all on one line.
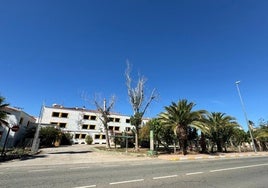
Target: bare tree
{"points": [[105, 113], [137, 101]]}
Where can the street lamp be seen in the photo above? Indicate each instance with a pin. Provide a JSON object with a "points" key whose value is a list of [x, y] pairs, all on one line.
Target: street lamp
{"points": [[245, 114]]}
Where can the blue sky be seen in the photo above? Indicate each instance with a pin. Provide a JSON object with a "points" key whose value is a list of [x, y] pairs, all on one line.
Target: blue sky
{"points": [[53, 51]]}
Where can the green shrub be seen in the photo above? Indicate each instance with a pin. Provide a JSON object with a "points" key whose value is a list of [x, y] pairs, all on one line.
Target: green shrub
{"points": [[89, 139], [48, 136], [66, 139]]}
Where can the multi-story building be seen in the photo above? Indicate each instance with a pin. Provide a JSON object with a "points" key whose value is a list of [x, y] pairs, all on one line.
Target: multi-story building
{"points": [[15, 117], [81, 122]]}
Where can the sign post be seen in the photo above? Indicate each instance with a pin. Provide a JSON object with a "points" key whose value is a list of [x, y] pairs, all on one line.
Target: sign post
{"points": [[151, 151]]}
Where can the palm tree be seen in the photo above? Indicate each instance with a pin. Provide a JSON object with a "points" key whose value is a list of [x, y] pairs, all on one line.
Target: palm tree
{"points": [[261, 135], [239, 136], [220, 129], [181, 115], [2, 112], [3, 116]]}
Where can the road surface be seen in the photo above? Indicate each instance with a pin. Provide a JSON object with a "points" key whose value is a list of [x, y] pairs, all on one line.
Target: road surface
{"points": [[238, 172]]}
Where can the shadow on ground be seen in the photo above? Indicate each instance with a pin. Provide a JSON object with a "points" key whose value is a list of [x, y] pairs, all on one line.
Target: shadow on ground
{"points": [[28, 157], [7, 158], [70, 152]]}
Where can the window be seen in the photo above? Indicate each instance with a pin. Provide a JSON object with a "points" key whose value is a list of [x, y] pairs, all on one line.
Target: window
{"points": [[110, 128], [21, 120], [117, 120], [92, 127], [103, 137], [58, 114], [62, 125], [77, 136], [83, 136], [116, 128], [28, 123], [127, 128], [84, 126], [53, 123], [111, 119], [64, 115], [86, 117], [127, 120], [97, 136], [93, 117], [55, 114]]}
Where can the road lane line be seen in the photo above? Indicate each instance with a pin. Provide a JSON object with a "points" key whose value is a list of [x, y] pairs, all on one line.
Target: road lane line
{"points": [[239, 167], [81, 167], [86, 186], [163, 177], [40, 170], [129, 181], [193, 173]]}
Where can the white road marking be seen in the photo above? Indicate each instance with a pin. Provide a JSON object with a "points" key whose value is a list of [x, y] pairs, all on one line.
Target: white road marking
{"points": [[194, 173], [40, 170], [239, 167], [163, 177], [107, 166], [86, 186], [129, 181], [81, 167]]}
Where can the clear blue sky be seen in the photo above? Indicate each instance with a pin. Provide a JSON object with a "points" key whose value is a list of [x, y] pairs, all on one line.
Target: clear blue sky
{"points": [[52, 51]]}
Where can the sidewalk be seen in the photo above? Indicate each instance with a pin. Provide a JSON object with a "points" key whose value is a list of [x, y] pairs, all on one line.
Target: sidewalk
{"points": [[75, 154], [81, 154]]}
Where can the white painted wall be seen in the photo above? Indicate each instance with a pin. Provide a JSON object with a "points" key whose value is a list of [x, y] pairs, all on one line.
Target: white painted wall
{"points": [[18, 117], [75, 121]]}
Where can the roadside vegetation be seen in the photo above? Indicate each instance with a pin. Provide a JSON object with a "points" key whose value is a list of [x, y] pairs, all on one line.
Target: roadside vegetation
{"points": [[179, 128]]}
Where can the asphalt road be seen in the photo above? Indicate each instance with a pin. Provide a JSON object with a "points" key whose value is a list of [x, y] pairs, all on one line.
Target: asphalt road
{"points": [[241, 172]]}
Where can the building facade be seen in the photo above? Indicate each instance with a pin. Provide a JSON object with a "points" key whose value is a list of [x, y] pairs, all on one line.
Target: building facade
{"points": [[15, 117], [81, 122]]}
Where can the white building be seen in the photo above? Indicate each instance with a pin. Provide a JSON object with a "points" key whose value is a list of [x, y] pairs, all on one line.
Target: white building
{"points": [[15, 116], [81, 122]]}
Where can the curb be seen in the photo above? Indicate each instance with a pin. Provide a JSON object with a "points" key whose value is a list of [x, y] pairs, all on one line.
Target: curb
{"points": [[215, 157]]}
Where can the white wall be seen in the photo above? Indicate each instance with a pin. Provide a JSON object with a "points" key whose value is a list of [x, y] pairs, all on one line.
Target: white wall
{"points": [[18, 117], [75, 121]]}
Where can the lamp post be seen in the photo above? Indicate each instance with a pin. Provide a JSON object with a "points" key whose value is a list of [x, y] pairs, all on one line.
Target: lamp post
{"points": [[245, 114]]}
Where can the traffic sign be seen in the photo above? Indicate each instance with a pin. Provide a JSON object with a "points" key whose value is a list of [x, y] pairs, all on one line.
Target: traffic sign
{"points": [[15, 128]]}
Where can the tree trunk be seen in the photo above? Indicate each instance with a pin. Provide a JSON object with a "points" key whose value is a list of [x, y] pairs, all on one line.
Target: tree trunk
{"points": [[203, 143], [184, 150], [182, 134], [239, 148], [219, 146], [212, 146], [108, 146], [136, 141]]}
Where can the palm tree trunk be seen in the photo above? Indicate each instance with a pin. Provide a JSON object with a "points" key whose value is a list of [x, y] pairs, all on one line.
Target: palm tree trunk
{"points": [[212, 147], [203, 143], [219, 146], [184, 146]]}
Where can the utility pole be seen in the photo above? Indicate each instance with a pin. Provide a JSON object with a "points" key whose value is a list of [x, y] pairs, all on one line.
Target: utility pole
{"points": [[35, 144], [245, 114]]}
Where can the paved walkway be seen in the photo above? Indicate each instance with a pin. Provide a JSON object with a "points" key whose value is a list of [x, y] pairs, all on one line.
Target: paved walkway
{"points": [[79, 154], [75, 154]]}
